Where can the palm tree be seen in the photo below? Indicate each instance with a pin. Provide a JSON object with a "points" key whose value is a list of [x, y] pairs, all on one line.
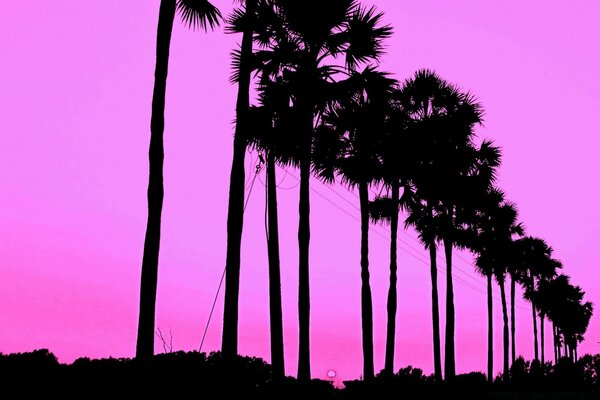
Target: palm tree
{"points": [[359, 119], [535, 258], [444, 121], [235, 210], [563, 303], [421, 217], [299, 46], [272, 124], [386, 210], [195, 13]]}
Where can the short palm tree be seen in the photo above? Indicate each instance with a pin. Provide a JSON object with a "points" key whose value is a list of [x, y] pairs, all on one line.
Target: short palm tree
{"points": [[195, 13], [535, 256]]}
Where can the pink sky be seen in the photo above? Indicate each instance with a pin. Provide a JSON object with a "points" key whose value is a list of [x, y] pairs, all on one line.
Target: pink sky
{"points": [[76, 81]]}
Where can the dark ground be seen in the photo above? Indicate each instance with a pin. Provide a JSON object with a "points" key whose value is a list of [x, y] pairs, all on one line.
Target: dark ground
{"points": [[197, 375]]}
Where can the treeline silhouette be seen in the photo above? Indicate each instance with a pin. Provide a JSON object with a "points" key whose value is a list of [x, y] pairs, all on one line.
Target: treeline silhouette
{"points": [[182, 374], [325, 108]]}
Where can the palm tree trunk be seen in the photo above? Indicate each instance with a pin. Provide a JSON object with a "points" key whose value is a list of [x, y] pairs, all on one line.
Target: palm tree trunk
{"points": [[235, 211], [392, 293], [303, 270], [554, 343], [366, 300], [542, 338], [490, 366], [449, 362], [535, 330], [512, 319], [505, 328], [149, 278], [435, 315], [276, 315]]}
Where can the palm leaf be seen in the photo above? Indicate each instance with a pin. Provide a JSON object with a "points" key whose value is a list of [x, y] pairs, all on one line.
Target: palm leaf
{"points": [[199, 14]]}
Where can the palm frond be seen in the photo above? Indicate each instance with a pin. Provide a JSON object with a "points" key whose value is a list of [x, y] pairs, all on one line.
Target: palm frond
{"points": [[199, 14]]}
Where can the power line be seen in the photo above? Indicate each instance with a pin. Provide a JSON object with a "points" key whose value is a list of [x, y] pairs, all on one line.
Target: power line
{"points": [[212, 309], [418, 257]]}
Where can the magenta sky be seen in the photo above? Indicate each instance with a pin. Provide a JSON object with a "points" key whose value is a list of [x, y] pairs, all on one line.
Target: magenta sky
{"points": [[75, 82]]}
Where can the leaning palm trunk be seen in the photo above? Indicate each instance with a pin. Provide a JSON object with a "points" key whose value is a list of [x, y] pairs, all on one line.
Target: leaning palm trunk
{"points": [[235, 211], [505, 328], [145, 337], [276, 319], [435, 314], [366, 301], [490, 366], [449, 362], [392, 293], [512, 319]]}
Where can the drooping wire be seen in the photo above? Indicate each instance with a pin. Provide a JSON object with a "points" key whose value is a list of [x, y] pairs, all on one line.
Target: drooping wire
{"points": [[257, 170]]}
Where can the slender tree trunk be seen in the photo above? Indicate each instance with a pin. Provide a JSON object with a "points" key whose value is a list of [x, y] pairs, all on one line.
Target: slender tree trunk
{"points": [[276, 315], [435, 315], [555, 341], [490, 366], [575, 352], [235, 211], [542, 338], [303, 252], [149, 278], [449, 362], [558, 344], [392, 294], [512, 319], [535, 330], [505, 328], [366, 300]]}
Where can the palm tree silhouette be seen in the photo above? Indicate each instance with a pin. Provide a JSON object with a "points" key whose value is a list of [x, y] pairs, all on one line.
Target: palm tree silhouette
{"points": [[535, 256], [195, 13], [272, 132], [299, 47], [563, 303], [235, 210], [444, 119], [359, 119]]}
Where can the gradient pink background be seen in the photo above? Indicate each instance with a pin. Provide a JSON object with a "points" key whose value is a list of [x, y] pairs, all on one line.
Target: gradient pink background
{"points": [[76, 82]]}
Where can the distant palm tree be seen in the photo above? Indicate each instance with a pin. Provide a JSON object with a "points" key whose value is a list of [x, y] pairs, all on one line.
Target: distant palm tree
{"points": [[300, 46], [564, 305], [195, 13], [235, 210], [359, 119], [536, 258]]}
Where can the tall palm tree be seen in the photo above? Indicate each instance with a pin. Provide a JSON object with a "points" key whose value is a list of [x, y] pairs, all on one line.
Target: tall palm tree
{"points": [[235, 210], [445, 118], [359, 119], [272, 124], [195, 13], [300, 46]]}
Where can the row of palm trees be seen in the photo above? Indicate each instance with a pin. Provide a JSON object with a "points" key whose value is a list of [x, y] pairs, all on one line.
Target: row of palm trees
{"points": [[325, 109]]}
